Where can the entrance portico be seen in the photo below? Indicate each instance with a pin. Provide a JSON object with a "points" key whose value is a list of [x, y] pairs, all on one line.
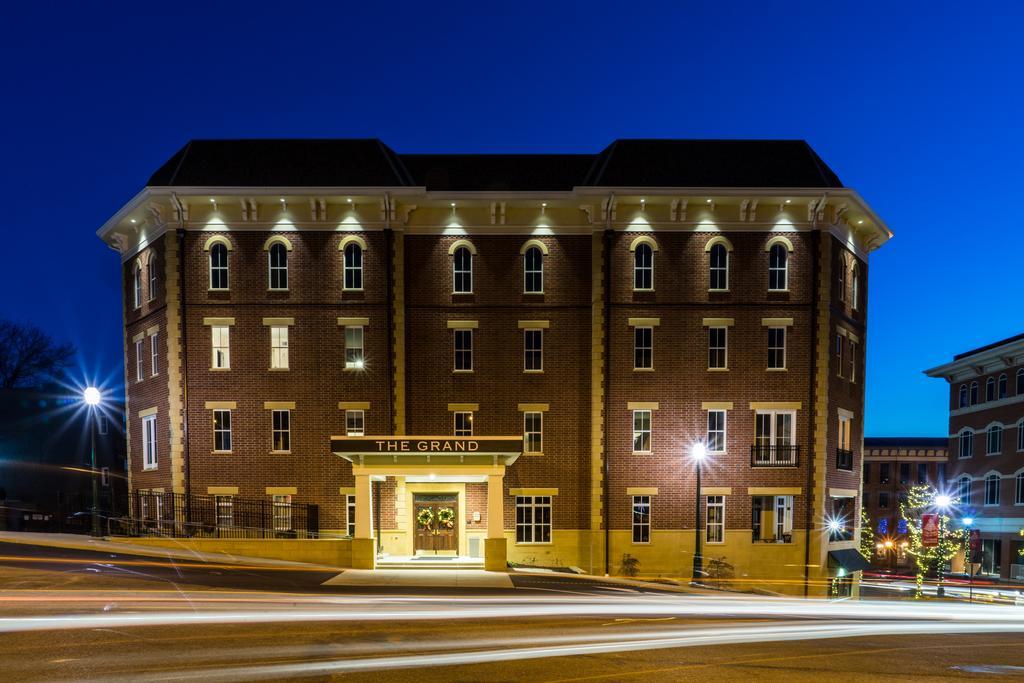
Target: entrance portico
{"points": [[433, 459]]}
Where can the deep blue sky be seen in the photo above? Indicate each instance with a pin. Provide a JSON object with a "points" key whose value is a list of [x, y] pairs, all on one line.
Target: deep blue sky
{"points": [[921, 109]]}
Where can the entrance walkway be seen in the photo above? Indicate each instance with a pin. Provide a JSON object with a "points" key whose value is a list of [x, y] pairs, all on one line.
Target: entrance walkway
{"points": [[430, 561]]}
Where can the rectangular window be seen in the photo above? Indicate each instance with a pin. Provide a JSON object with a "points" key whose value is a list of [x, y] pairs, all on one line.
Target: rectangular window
{"points": [[842, 519], [714, 527], [222, 430], [463, 350], [355, 423], [350, 515], [776, 348], [715, 441], [940, 473], [643, 348], [533, 435], [281, 427], [844, 454], [533, 350], [717, 355], [839, 355], [904, 473], [225, 511], [922, 473], [1018, 498], [282, 513], [138, 361], [641, 519], [105, 476], [152, 277], [964, 491], [153, 356], [149, 442], [883, 500], [353, 347], [533, 519], [774, 439], [220, 336], [641, 431], [102, 424], [883, 472], [772, 519], [991, 556], [279, 347], [852, 359], [463, 423]]}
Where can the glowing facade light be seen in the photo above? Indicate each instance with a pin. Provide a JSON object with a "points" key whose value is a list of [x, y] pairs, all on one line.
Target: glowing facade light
{"points": [[92, 396], [968, 521], [789, 201], [834, 525]]}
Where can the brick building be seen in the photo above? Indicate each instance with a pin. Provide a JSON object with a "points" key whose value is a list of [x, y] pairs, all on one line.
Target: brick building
{"points": [[892, 466], [532, 342], [986, 448]]}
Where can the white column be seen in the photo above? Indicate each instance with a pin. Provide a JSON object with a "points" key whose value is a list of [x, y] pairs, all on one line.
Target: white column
{"points": [[364, 503], [495, 506]]}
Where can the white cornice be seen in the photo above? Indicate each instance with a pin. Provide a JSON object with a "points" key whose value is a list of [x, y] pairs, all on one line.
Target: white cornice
{"points": [[981, 363]]}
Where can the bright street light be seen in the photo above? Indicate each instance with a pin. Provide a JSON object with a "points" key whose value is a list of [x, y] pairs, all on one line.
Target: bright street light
{"points": [[699, 450], [92, 396], [942, 501], [968, 521]]}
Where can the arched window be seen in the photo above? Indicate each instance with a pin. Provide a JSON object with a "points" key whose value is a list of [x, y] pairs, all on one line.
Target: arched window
{"points": [[718, 273], [966, 443], [353, 266], [462, 270], [990, 389], [643, 267], [1020, 435], [1018, 498], [778, 268], [962, 403], [992, 489], [842, 279], [994, 440], [855, 287], [974, 393], [533, 271], [219, 266], [1020, 382], [278, 255], [152, 276], [137, 285], [964, 490], [1001, 391]]}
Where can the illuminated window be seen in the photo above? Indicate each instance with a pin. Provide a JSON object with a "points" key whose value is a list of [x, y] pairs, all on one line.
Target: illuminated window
{"points": [[350, 515], [279, 347], [149, 442], [714, 525], [641, 519], [354, 347], [221, 341]]}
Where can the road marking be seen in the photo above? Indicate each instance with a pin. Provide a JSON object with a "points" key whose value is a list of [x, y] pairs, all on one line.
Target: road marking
{"points": [[627, 621]]}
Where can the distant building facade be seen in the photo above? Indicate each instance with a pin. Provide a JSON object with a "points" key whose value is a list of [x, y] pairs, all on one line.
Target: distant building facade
{"points": [[986, 448], [329, 322]]}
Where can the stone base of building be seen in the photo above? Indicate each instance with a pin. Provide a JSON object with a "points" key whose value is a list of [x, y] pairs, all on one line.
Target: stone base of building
{"points": [[364, 553], [495, 554]]}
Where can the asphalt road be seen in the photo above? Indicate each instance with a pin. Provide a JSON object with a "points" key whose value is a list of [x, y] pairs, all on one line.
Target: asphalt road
{"points": [[78, 615]]}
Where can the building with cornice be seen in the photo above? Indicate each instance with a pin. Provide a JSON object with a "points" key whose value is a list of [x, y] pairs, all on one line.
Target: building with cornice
{"points": [[986, 449], [528, 346]]}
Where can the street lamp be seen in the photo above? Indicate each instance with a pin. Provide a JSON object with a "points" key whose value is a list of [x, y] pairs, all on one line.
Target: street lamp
{"points": [[92, 398], [698, 451], [942, 502]]}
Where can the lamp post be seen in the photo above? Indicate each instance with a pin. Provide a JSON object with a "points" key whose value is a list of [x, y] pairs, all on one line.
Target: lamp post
{"points": [[968, 522], [942, 503], [92, 398], [698, 452]]}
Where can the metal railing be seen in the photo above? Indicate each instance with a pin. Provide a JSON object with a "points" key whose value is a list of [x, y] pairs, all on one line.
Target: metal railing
{"points": [[176, 515], [844, 459], [765, 455]]}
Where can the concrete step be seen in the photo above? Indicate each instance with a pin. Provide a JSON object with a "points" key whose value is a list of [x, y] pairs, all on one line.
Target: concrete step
{"points": [[430, 564]]}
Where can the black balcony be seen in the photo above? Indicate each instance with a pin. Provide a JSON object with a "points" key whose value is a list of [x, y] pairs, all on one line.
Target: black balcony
{"points": [[844, 459], [765, 455]]}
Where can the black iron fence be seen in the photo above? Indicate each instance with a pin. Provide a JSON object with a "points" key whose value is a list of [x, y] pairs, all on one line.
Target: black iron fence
{"points": [[177, 515], [773, 455]]}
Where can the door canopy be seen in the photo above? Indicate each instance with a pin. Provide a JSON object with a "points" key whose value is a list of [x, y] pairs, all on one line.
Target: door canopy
{"points": [[433, 451]]}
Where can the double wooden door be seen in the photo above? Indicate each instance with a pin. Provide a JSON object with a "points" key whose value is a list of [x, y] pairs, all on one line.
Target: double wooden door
{"points": [[436, 535]]}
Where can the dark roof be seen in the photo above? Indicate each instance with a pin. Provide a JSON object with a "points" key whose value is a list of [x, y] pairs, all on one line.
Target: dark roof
{"points": [[905, 442], [371, 163], [994, 345]]}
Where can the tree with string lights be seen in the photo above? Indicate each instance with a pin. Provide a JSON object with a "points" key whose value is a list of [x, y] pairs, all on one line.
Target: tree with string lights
{"points": [[867, 535], [921, 500]]}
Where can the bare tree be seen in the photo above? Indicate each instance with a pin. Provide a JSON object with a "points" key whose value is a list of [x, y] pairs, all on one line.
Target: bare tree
{"points": [[29, 356]]}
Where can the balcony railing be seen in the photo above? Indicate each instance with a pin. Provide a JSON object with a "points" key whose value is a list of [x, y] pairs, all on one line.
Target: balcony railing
{"points": [[844, 459], [765, 455]]}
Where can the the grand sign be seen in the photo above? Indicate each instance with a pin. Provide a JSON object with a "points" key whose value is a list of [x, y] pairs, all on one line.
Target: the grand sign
{"points": [[389, 445]]}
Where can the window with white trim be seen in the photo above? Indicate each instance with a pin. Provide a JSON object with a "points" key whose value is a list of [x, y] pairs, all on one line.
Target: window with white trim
{"points": [[354, 359], [533, 432], [962, 396], [841, 285], [718, 268], [718, 356], [772, 518], [641, 519], [355, 423], [776, 348], [279, 347], [533, 350], [353, 266], [222, 430], [219, 266], [220, 340], [715, 440], [277, 257], [225, 511], [855, 287], [137, 286], [149, 461], [533, 271], [463, 420], [1020, 434], [154, 356], [992, 482], [994, 440], [139, 363], [774, 437], [643, 348], [852, 359], [840, 359], [282, 512], [462, 271], [643, 267], [350, 514], [281, 430], [533, 519], [714, 524], [463, 350], [966, 442], [1018, 498], [964, 490], [641, 431], [974, 393], [778, 268], [151, 266], [990, 389], [1020, 382]]}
